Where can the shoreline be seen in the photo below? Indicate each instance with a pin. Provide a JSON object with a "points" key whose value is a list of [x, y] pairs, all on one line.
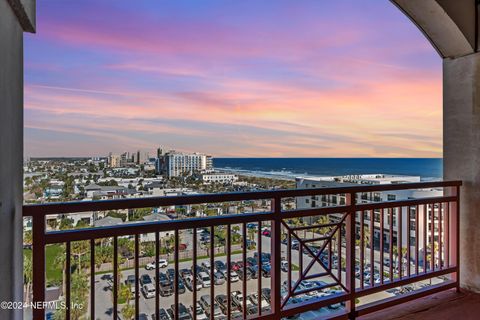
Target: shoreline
{"points": [[290, 176]]}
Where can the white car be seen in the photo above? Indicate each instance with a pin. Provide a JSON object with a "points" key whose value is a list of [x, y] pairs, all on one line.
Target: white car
{"points": [[238, 300], [148, 290], [162, 263], [234, 276], [204, 279]]}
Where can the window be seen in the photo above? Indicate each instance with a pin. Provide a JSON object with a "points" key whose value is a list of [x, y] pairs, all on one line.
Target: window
{"points": [[391, 197]]}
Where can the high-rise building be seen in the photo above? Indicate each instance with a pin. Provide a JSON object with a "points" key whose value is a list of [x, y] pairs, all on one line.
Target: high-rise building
{"points": [[114, 160], [159, 153], [177, 164]]}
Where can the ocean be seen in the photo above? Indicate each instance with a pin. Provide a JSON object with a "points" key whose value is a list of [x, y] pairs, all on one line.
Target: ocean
{"points": [[289, 168]]}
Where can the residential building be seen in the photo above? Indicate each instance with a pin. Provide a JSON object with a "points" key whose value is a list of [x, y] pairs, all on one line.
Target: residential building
{"points": [[178, 164], [373, 179], [218, 177], [114, 160]]}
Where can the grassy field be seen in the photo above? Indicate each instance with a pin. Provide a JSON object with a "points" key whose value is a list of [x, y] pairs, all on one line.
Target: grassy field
{"points": [[54, 272]]}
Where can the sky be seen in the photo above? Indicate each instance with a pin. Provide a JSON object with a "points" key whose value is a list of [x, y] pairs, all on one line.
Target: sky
{"points": [[249, 78]]}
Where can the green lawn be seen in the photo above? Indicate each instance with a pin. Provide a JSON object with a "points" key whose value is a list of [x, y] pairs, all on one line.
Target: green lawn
{"points": [[54, 273]]}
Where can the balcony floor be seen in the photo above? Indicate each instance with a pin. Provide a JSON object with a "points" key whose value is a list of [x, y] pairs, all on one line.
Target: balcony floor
{"points": [[440, 306]]}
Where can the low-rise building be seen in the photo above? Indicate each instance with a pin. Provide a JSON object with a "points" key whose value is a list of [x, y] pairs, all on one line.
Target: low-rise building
{"points": [[218, 177]]}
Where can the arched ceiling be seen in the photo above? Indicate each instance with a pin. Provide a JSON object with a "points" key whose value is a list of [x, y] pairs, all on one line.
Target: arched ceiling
{"points": [[450, 25]]}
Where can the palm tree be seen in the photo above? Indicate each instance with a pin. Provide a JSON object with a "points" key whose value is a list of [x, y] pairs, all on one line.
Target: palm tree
{"points": [[80, 248], [125, 293], [27, 275], [61, 262], [27, 237], [102, 255], [128, 312], [79, 295]]}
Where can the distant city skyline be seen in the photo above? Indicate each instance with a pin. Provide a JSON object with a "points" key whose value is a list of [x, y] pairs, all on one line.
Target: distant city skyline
{"points": [[276, 78]]}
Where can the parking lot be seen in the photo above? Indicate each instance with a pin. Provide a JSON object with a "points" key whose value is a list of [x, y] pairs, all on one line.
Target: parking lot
{"points": [[103, 290]]}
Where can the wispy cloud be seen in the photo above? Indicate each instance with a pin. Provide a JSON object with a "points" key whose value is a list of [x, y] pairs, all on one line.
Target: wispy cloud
{"points": [[270, 78]]}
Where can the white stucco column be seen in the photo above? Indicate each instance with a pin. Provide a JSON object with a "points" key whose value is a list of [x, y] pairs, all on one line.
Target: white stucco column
{"points": [[451, 27], [14, 20], [461, 144]]}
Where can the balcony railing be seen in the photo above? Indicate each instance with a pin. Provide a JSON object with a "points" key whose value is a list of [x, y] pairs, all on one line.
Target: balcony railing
{"points": [[307, 258]]}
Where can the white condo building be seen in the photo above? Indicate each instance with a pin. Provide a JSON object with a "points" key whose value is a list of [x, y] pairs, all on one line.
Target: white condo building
{"points": [[372, 179], [179, 164]]}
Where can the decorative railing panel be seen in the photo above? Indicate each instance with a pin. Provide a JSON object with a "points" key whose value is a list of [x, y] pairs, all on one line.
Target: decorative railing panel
{"points": [[288, 260]]}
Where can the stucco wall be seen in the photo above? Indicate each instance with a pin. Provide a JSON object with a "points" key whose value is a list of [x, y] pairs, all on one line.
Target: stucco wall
{"points": [[461, 143], [11, 154]]}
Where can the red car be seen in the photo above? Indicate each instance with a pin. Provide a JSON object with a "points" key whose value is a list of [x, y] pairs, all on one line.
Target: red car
{"points": [[237, 265], [266, 233]]}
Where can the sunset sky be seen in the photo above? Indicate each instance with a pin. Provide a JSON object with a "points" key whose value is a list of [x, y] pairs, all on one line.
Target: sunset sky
{"points": [[249, 78]]}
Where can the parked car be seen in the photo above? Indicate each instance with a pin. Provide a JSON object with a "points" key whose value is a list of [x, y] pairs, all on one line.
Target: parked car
{"points": [[264, 303], [264, 257], [170, 274], [189, 283], [181, 286], [266, 294], [236, 265], [206, 265], [266, 233], [130, 281], [233, 276], [200, 314], [266, 268], [148, 290], [165, 288], [222, 302], [218, 278], [163, 315], [204, 279], [253, 270], [184, 273], [162, 263], [145, 279], [162, 277], [308, 285], [143, 316], [251, 261], [238, 299], [284, 266], [183, 313], [205, 302], [199, 269], [244, 272], [219, 265]]}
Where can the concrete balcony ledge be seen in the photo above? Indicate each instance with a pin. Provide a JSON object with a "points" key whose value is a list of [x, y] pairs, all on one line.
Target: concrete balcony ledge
{"points": [[444, 305]]}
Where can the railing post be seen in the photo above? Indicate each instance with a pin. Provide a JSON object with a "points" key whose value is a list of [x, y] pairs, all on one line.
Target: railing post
{"points": [[350, 253], [38, 263], [454, 225], [276, 273]]}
